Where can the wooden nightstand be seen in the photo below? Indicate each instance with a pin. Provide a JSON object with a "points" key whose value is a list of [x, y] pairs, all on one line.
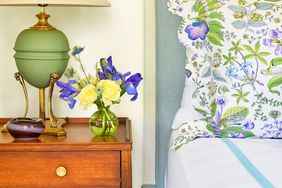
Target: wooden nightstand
{"points": [[78, 160]]}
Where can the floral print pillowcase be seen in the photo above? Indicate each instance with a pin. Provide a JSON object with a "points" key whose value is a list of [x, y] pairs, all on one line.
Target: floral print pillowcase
{"points": [[236, 65]]}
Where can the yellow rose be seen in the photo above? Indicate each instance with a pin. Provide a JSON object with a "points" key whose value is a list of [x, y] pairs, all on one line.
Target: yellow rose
{"points": [[87, 96], [110, 91]]}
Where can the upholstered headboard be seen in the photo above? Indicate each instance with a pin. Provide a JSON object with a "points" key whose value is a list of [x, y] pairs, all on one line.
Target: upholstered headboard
{"points": [[170, 82]]}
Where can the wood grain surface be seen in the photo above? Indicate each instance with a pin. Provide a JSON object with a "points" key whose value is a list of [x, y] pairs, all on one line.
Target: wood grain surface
{"points": [[90, 161]]}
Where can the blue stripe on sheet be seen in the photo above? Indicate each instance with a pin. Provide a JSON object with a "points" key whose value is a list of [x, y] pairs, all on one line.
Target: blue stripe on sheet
{"points": [[260, 178]]}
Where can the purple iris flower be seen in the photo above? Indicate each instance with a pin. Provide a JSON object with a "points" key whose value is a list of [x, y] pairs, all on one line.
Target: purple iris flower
{"points": [[68, 92], [131, 85], [248, 125], [197, 30], [108, 70], [77, 50]]}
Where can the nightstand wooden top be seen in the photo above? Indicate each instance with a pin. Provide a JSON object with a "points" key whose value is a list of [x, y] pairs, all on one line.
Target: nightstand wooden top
{"points": [[79, 137]]}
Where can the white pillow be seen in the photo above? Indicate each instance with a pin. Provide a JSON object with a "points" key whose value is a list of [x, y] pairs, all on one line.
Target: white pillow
{"points": [[235, 66]]}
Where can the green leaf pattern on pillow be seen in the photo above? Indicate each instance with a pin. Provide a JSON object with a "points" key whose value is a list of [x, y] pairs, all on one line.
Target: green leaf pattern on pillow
{"points": [[236, 64]]}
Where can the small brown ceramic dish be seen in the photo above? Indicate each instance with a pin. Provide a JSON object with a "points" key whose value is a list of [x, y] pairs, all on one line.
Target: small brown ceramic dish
{"points": [[25, 128]]}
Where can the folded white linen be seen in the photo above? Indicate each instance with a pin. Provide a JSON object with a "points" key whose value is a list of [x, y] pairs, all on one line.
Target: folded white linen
{"points": [[209, 163]]}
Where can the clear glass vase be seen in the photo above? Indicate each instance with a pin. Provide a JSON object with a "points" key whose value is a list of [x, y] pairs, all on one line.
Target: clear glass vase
{"points": [[103, 122]]}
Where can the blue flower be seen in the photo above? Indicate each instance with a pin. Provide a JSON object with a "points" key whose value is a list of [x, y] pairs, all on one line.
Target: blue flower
{"points": [[77, 50], [221, 101], [108, 70], [274, 34], [197, 30], [232, 71], [68, 92], [239, 135], [247, 66], [248, 125], [131, 85]]}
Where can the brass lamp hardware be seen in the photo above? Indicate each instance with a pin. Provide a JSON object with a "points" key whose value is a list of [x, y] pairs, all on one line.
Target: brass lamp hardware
{"points": [[61, 171], [54, 125], [19, 78], [42, 23]]}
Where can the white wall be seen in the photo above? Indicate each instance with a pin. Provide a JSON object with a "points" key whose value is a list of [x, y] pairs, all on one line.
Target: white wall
{"points": [[117, 31], [149, 94]]}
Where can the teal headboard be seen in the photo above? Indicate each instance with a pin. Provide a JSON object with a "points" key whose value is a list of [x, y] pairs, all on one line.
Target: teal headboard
{"points": [[170, 82]]}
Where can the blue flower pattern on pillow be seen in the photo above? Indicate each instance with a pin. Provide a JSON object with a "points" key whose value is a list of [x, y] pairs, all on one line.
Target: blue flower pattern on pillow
{"points": [[235, 63]]}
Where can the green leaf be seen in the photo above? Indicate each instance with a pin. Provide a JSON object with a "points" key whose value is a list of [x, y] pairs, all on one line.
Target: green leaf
{"points": [[262, 60], [201, 111], [233, 43], [214, 39], [216, 30], [248, 48], [256, 23], [249, 56], [70, 72], [237, 8], [239, 24], [232, 49], [245, 100], [257, 47], [248, 134], [235, 95], [216, 23], [234, 130], [274, 82], [224, 134], [264, 54], [238, 42], [211, 2], [264, 6], [213, 108], [245, 94], [238, 100], [215, 15], [276, 61], [234, 113], [213, 7], [210, 128], [273, 0]]}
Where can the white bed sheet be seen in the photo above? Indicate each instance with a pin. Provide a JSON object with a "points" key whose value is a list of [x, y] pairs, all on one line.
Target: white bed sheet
{"points": [[209, 163]]}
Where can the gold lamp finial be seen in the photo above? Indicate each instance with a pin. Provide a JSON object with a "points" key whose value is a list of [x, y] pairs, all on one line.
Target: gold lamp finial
{"points": [[42, 23]]}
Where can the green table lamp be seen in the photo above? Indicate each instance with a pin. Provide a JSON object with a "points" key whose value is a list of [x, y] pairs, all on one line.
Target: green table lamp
{"points": [[42, 55]]}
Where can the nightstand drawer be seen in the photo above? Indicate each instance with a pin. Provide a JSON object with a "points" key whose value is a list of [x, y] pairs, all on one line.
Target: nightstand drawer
{"points": [[60, 169]]}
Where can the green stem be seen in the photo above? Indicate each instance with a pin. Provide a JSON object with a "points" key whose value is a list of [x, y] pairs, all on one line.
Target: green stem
{"points": [[82, 68], [78, 80], [97, 64], [108, 116], [256, 69], [104, 124], [240, 64]]}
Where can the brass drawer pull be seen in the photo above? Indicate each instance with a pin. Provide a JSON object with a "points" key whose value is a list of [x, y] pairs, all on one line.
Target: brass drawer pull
{"points": [[61, 171]]}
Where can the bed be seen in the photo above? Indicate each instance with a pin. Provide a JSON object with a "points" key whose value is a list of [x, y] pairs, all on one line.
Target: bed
{"points": [[214, 162], [228, 130]]}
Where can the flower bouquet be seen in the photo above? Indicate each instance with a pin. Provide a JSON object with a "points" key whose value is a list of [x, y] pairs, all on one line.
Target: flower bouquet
{"points": [[102, 89]]}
